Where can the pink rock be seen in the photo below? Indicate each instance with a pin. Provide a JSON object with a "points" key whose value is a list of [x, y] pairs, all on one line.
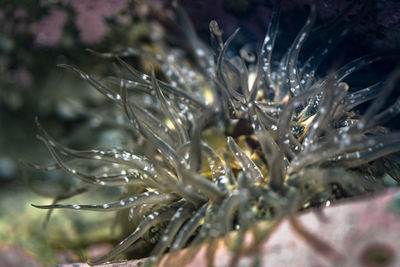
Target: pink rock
{"points": [[360, 232], [14, 256]]}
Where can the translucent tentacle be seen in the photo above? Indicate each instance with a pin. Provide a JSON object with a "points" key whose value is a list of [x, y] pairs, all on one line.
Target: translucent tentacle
{"points": [[220, 72], [182, 95], [340, 146], [188, 229], [270, 149], [169, 111], [158, 143], [268, 46], [370, 119], [147, 198], [150, 221], [199, 182], [245, 162], [284, 132], [359, 158], [292, 61], [110, 94], [177, 220], [320, 120], [363, 95], [201, 51], [190, 194]]}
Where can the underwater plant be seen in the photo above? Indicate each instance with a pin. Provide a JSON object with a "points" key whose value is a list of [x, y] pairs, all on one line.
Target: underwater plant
{"points": [[292, 139]]}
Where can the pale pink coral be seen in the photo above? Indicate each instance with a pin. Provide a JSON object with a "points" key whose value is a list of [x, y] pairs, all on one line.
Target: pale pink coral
{"points": [[91, 15], [90, 20], [48, 31]]}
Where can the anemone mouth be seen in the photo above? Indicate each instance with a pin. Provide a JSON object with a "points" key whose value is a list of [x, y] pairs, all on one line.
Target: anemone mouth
{"points": [[291, 139]]}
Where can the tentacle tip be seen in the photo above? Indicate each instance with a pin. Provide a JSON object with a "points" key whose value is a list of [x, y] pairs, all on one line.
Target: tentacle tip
{"points": [[37, 120], [92, 51], [63, 65]]}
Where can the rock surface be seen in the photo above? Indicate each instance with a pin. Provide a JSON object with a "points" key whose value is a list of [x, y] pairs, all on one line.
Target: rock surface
{"points": [[364, 232]]}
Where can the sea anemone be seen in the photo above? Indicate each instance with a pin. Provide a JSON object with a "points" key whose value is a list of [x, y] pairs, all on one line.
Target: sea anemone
{"points": [[293, 139]]}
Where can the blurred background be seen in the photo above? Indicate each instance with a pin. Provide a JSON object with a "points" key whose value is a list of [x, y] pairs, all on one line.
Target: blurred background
{"points": [[36, 35]]}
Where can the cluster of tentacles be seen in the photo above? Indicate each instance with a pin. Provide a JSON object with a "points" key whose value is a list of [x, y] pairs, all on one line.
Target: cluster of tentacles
{"points": [[293, 139]]}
